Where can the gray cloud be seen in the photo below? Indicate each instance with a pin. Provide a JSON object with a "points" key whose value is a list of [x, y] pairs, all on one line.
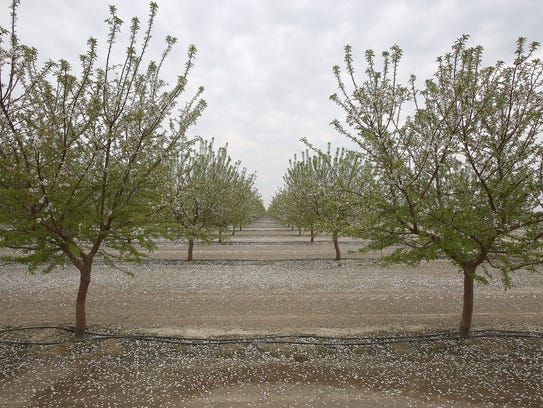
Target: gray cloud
{"points": [[267, 65]]}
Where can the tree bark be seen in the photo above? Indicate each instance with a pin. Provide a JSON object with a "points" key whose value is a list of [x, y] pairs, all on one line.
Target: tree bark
{"points": [[467, 310], [336, 246], [191, 247], [312, 235], [80, 311]]}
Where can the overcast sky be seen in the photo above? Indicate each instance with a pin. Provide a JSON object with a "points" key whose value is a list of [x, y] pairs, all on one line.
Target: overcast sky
{"points": [[266, 65]]}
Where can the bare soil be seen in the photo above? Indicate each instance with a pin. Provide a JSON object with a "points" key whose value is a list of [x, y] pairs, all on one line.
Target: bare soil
{"points": [[268, 280]]}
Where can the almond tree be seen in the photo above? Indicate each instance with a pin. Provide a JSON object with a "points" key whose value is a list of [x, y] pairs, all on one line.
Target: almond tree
{"points": [[237, 197], [322, 187], [461, 177], [284, 207], [303, 194], [201, 194], [247, 202], [82, 154]]}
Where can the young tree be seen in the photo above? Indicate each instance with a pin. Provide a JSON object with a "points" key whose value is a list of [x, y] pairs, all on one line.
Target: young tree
{"points": [[462, 177], [189, 197], [322, 187], [238, 198], [283, 207], [201, 194], [340, 174], [304, 198], [82, 155], [247, 202]]}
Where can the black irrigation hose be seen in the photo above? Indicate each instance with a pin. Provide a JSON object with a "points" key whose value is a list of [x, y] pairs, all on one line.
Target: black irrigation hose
{"points": [[282, 339]]}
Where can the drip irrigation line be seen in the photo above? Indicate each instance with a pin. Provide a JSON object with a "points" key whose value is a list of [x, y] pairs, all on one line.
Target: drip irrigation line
{"points": [[280, 339], [177, 261]]}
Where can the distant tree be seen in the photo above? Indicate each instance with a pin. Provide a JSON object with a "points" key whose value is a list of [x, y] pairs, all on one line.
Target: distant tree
{"points": [[201, 195], [247, 203], [340, 175], [190, 199], [304, 198], [81, 155], [283, 207], [321, 186], [241, 202], [462, 177]]}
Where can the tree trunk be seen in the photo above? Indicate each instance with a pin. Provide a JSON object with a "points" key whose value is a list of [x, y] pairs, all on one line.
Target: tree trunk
{"points": [[299, 232], [312, 235], [191, 247], [336, 246], [220, 235], [467, 310], [80, 312], [234, 230]]}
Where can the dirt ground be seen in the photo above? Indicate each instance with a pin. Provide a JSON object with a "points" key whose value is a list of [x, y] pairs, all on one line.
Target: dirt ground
{"points": [[268, 280]]}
